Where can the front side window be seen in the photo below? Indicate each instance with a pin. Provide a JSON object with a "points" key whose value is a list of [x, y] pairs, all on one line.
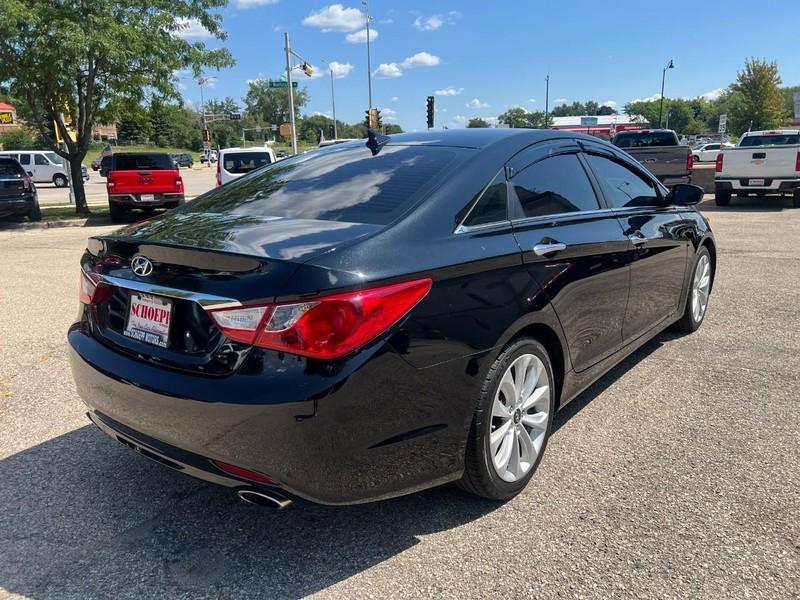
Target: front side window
{"points": [[492, 207], [40, 160], [621, 186], [553, 186]]}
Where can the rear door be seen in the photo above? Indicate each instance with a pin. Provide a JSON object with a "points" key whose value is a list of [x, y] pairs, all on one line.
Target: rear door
{"points": [[574, 248], [658, 237], [12, 182]]}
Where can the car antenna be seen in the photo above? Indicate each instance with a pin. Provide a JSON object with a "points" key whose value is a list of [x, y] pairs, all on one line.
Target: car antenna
{"points": [[376, 141]]}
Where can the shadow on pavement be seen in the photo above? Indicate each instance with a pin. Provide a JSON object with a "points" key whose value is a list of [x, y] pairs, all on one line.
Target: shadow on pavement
{"points": [[85, 517], [749, 204]]}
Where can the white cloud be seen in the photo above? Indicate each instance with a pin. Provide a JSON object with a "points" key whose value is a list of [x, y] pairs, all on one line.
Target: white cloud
{"points": [[386, 21], [395, 98], [388, 114], [609, 103], [475, 103], [461, 119], [648, 99], [277, 28], [360, 37], [449, 91], [252, 3], [388, 71], [191, 28], [431, 23], [560, 101], [340, 70], [335, 17], [420, 59], [713, 94]]}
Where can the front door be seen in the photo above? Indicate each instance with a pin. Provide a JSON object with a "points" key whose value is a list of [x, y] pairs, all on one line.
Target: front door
{"points": [[659, 242], [576, 251]]}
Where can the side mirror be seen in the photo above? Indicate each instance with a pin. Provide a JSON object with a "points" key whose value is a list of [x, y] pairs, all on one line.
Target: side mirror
{"points": [[685, 194], [30, 173]]}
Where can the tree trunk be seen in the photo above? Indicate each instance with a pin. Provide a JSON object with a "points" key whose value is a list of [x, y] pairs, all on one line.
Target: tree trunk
{"points": [[76, 174]]}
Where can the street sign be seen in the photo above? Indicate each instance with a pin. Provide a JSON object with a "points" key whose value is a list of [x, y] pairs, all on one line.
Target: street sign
{"points": [[6, 118], [258, 129], [588, 121], [723, 124], [235, 116], [286, 130], [274, 127], [281, 84]]}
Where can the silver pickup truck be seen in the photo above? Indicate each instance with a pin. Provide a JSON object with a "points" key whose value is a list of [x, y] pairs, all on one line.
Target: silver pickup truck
{"points": [[660, 152]]}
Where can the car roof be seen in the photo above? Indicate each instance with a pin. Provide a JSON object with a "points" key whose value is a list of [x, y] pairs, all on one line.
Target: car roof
{"points": [[236, 150], [139, 153], [475, 137]]}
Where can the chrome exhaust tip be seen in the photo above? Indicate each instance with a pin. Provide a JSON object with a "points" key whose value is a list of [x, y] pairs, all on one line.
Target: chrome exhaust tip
{"points": [[260, 498]]}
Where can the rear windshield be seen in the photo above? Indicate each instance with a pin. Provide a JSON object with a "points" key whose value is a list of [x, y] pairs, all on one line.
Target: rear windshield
{"points": [[10, 168], [143, 162], [343, 183], [244, 162], [786, 139], [645, 140]]}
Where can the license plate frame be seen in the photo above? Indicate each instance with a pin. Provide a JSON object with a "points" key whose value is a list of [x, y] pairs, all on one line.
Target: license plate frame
{"points": [[142, 327], [757, 181], [147, 197]]}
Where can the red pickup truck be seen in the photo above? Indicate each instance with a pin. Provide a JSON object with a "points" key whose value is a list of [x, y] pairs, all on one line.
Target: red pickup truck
{"points": [[142, 180]]}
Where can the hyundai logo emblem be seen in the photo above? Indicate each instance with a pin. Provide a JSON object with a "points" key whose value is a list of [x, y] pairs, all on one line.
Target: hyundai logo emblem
{"points": [[141, 265]]}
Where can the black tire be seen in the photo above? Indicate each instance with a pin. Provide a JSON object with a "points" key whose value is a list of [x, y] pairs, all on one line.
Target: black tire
{"points": [[722, 197], [116, 212], [35, 214], [480, 477], [60, 180], [687, 323], [796, 198], [696, 159]]}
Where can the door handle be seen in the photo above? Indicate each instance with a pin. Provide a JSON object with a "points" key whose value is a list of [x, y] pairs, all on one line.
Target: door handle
{"points": [[637, 239], [543, 249]]}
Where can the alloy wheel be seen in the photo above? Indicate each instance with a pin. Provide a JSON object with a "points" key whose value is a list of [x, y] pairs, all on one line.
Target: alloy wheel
{"points": [[520, 416], [700, 288]]}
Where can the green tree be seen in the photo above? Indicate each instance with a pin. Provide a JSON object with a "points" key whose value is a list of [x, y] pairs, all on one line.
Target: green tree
{"points": [[571, 110], [519, 118], [224, 132], [271, 105], [756, 101], [605, 110], [393, 128], [20, 138], [477, 122], [133, 125], [788, 100], [73, 57]]}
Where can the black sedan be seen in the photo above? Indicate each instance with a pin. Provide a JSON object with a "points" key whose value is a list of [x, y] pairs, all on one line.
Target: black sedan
{"points": [[384, 316], [18, 195]]}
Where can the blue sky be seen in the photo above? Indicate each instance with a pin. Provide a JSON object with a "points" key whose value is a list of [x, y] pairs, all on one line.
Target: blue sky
{"points": [[480, 58]]}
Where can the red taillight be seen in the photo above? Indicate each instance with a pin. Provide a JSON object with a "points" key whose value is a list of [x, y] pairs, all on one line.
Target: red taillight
{"points": [[219, 176], [91, 293], [718, 166], [328, 327], [689, 162], [244, 473], [26, 183], [110, 180], [179, 183], [797, 162]]}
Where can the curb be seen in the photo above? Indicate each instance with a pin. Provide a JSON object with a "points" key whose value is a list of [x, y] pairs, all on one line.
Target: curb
{"points": [[50, 224]]}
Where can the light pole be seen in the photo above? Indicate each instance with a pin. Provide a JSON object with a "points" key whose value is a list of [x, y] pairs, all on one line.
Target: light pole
{"points": [[201, 81], [369, 59], [291, 93], [670, 65], [546, 98], [333, 101]]}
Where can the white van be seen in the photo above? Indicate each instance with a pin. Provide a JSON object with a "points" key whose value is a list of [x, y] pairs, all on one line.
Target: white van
{"points": [[235, 162], [44, 166]]}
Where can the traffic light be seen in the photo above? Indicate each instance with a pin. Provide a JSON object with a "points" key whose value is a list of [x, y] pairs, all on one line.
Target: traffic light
{"points": [[206, 135], [429, 105], [378, 123], [373, 118], [367, 119], [308, 69]]}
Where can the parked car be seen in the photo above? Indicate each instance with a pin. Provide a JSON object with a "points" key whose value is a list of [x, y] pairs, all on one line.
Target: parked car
{"points": [[236, 162], [708, 152], [142, 180], [17, 192], [44, 166], [659, 151], [96, 163], [208, 157], [281, 154], [183, 160], [764, 162], [380, 318]]}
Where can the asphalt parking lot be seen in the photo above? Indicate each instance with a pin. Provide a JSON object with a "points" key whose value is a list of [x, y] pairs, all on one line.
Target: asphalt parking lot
{"points": [[674, 476]]}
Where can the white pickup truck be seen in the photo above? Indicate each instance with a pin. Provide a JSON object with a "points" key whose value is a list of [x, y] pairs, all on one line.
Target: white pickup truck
{"points": [[764, 162]]}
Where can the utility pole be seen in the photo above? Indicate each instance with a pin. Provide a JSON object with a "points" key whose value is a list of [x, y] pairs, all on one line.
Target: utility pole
{"points": [[291, 93], [201, 81], [369, 59], [663, 77], [333, 102], [546, 98]]}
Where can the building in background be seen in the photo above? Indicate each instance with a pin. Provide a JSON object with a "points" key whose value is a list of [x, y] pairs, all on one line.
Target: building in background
{"points": [[104, 133], [8, 117], [606, 125]]}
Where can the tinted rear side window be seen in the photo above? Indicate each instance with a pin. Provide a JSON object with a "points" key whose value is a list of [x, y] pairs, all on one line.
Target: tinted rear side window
{"points": [[645, 140], [553, 186], [244, 162], [10, 168], [346, 184], [492, 206], [788, 139], [143, 162]]}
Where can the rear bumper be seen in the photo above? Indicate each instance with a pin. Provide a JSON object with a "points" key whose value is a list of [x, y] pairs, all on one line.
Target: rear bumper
{"points": [[20, 205], [743, 184], [134, 200], [369, 428]]}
